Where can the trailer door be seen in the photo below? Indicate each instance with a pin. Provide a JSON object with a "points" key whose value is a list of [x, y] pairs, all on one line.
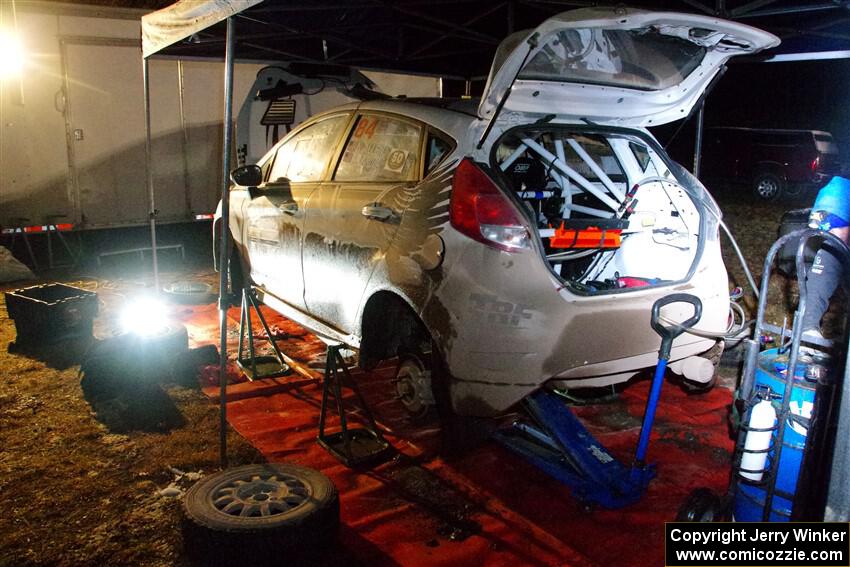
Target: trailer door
{"points": [[106, 134]]}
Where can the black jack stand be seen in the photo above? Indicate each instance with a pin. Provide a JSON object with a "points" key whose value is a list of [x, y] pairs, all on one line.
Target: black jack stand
{"points": [[257, 367], [353, 446]]}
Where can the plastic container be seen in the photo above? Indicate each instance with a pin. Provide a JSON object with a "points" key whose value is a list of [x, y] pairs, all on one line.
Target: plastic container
{"points": [[751, 497], [51, 312]]}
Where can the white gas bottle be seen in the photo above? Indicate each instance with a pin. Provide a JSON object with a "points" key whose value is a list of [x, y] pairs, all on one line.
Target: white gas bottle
{"points": [[763, 416]]}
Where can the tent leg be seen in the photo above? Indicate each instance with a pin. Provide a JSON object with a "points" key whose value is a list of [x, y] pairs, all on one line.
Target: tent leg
{"points": [[223, 297], [149, 172]]}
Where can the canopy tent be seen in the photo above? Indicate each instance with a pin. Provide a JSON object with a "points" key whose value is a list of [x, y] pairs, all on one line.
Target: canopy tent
{"points": [[418, 36], [181, 20]]}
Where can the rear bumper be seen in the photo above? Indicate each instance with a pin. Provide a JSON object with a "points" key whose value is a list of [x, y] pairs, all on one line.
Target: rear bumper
{"points": [[523, 330]]}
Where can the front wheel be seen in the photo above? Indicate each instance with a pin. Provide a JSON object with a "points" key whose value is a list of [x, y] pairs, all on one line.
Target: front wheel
{"points": [[768, 186]]}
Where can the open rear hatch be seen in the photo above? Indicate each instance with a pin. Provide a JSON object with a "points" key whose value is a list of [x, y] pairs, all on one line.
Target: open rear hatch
{"points": [[570, 99], [614, 65]]}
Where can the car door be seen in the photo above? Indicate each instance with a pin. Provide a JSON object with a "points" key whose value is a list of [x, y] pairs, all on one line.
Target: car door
{"points": [[275, 212], [352, 219]]}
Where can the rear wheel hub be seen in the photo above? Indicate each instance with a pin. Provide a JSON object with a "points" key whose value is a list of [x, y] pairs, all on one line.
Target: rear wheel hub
{"points": [[413, 386]]}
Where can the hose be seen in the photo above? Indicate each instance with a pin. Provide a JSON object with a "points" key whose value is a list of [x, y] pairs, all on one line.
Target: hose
{"points": [[709, 206], [740, 254]]}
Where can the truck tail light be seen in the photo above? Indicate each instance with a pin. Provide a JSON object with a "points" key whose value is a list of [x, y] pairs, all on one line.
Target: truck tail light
{"points": [[482, 212]]}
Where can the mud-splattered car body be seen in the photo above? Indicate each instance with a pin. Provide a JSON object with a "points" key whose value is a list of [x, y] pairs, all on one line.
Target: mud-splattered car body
{"points": [[402, 221]]}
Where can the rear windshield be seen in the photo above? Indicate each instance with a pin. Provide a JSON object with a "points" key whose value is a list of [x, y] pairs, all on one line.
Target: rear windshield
{"points": [[641, 59], [825, 144]]}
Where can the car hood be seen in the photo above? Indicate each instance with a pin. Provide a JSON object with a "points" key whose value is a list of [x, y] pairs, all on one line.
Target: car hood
{"points": [[614, 65]]}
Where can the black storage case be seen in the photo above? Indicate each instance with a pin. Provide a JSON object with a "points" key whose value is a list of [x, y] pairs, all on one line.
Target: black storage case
{"points": [[786, 259], [51, 312]]}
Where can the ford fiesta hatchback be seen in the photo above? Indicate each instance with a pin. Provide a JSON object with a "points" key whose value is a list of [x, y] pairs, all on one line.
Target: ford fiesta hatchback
{"points": [[516, 244]]}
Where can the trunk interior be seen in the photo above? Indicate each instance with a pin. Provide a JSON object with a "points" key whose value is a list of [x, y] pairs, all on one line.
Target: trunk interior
{"points": [[611, 215]]}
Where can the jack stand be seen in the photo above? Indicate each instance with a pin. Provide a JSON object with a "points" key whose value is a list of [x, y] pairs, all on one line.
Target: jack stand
{"points": [[257, 367], [352, 446]]}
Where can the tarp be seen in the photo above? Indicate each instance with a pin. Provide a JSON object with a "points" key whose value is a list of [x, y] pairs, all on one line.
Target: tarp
{"points": [[184, 18], [481, 504], [11, 270]]}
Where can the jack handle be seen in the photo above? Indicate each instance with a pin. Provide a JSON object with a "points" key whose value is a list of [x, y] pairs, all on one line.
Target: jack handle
{"points": [[669, 333]]}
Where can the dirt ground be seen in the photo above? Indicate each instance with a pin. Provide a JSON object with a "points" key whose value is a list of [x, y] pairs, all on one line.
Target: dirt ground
{"points": [[80, 489]]}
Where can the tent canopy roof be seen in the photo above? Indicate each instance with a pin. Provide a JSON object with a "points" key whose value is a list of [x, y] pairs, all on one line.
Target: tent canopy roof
{"points": [[448, 38]]}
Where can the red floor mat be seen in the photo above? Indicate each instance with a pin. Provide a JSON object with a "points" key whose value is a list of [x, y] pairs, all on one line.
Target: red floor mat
{"points": [[487, 506]]}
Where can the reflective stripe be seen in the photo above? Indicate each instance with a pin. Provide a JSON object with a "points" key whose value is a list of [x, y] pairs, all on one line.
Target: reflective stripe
{"points": [[38, 228]]}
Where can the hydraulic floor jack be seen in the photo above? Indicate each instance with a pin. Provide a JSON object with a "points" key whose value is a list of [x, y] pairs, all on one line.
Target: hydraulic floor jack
{"points": [[561, 446]]}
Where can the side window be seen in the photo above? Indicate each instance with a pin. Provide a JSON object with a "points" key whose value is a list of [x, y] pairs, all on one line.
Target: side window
{"points": [[436, 149], [381, 148], [304, 156], [641, 154]]}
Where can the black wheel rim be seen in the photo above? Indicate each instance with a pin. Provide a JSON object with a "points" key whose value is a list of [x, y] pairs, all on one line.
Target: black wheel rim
{"points": [[260, 495]]}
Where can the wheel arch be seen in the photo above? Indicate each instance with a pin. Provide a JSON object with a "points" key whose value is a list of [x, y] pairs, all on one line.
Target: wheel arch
{"points": [[773, 167], [389, 323]]}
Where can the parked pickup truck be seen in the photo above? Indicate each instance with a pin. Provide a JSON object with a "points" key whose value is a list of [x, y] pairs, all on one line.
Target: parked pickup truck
{"points": [[773, 162]]}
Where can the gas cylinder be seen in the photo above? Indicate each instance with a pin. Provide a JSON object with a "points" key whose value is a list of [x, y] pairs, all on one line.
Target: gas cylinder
{"points": [[751, 494]]}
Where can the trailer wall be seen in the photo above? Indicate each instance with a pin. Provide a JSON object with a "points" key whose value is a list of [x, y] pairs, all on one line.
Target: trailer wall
{"points": [[72, 130]]}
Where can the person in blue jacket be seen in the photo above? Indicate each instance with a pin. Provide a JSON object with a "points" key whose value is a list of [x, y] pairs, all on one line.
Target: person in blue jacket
{"points": [[830, 212]]}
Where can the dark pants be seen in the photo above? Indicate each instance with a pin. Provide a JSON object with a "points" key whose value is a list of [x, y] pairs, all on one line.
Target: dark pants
{"points": [[822, 279]]}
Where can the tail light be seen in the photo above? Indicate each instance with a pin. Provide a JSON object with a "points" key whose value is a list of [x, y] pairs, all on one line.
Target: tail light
{"points": [[815, 164], [482, 212]]}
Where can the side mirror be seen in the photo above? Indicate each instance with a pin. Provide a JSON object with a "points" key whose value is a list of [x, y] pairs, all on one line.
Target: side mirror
{"points": [[247, 176]]}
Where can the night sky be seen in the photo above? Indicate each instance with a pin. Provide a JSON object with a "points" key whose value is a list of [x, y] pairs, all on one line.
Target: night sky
{"points": [[811, 95], [807, 94]]}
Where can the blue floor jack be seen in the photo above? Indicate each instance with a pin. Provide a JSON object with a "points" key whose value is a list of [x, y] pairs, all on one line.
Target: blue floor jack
{"points": [[561, 446]]}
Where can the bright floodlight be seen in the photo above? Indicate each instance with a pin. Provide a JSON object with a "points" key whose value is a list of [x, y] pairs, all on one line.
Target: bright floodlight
{"points": [[11, 54], [145, 316]]}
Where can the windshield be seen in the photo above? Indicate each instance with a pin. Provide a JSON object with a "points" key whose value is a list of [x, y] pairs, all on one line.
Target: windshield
{"points": [[643, 59]]}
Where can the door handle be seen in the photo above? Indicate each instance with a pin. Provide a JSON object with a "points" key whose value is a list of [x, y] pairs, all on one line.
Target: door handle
{"points": [[288, 208], [377, 212]]}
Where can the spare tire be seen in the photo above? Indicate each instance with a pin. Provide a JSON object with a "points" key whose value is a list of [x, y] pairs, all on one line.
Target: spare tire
{"points": [[259, 514]]}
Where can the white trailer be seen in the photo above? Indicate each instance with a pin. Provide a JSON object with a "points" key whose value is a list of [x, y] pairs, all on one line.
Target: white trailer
{"points": [[72, 135]]}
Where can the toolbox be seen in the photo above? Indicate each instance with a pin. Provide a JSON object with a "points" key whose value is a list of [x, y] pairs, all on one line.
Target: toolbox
{"points": [[51, 312]]}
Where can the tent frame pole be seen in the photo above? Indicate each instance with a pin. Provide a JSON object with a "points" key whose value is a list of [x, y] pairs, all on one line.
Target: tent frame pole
{"points": [[224, 260], [149, 172]]}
